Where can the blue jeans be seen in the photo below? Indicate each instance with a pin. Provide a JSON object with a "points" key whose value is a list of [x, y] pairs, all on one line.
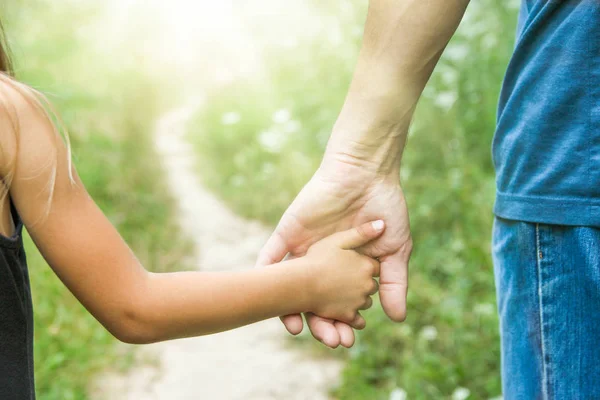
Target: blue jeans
{"points": [[548, 289]]}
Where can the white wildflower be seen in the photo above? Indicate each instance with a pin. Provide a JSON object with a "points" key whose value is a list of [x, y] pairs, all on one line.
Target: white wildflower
{"points": [[456, 52], [292, 126], [230, 118], [484, 309], [461, 393], [271, 141], [398, 394], [282, 116], [446, 100], [429, 333]]}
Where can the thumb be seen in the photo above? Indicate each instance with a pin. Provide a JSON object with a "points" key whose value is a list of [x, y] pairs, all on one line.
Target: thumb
{"points": [[273, 251], [359, 236], [393, 283]]}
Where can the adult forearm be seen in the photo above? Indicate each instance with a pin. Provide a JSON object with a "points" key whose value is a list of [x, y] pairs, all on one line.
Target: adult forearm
{"points": [[403, 42], [186, 304]]}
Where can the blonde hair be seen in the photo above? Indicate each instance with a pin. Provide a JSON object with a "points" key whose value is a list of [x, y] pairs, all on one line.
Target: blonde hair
{"points": [[41, 104]]}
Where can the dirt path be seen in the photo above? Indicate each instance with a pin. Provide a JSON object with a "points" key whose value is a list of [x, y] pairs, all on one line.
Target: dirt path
{"points": [[251, 363]]}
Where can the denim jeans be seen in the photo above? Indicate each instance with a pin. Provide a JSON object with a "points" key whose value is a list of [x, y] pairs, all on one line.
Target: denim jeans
{"points": [[548, 290]]}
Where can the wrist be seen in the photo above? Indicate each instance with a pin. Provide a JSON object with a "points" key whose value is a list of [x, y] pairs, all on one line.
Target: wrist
{"points": [[305, 279], [371, 141], [364, 160], [368, 155]]}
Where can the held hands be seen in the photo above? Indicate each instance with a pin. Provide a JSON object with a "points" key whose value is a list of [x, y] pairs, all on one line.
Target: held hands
{"points": [[338, 197], [341, 279]]}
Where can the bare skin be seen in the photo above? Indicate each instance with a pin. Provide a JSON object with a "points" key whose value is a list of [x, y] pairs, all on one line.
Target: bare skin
{"points": [[358, 179], [136, 306]]}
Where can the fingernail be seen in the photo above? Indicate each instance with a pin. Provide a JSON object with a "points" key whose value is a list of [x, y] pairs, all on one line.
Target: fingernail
{"points": [[377, 225]]}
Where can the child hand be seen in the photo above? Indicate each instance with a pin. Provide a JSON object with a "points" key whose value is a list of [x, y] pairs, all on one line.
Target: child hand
{"points": [[342, 279]]}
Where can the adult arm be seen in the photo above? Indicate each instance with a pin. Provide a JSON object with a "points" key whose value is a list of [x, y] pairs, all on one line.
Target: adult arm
{"points": [[358, 179]]}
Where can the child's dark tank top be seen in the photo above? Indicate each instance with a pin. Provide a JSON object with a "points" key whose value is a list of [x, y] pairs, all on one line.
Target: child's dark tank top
{"points": [[16, 319]]}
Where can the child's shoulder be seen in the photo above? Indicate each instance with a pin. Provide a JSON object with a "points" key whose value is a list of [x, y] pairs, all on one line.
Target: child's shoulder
{"points": [[12, 107], [13, 95], [24, 122]]}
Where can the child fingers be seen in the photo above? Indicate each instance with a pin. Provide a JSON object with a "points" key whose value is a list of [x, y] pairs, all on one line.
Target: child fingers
{"points": [[358, 322], [368, 304], [359, 235], [376, 267], [374, 288]]}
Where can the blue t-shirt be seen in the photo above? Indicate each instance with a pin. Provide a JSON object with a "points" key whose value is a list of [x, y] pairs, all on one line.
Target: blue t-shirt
{"points": [[547, 144]]}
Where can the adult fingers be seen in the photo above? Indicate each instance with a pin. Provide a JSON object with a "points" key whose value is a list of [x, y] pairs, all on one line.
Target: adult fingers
{"points": [[393, 284], [323, 330], [273, 251], [293, 323], [346, 333]]}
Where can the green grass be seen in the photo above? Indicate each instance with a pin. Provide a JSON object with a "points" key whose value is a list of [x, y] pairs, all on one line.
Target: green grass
{"points": [[260, 141], [110, 111]]}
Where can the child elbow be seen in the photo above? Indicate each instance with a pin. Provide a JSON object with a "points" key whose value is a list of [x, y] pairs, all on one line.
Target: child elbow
{"points": [[132, 336], [130, 329]]}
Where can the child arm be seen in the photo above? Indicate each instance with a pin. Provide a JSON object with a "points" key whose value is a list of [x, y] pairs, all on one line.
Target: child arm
{"points": [[332, 280], [93, 261]]}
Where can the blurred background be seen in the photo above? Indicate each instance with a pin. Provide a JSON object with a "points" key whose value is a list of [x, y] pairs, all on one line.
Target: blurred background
{"points": [[271, 77]]}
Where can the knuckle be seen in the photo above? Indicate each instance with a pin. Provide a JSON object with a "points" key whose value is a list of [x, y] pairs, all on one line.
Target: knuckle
{"points": [[365, 270], [374, 265], [350, 315], [375, 287], [367, 265], [360, 230]]}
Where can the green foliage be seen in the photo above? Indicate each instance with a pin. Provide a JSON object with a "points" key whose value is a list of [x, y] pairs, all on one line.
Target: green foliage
{"points": [[110, 114], [266, 136], [261, 141]]}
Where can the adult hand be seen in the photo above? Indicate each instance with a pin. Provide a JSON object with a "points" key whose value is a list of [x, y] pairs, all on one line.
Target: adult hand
{"points": [[358, 180], [339, 196]]}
